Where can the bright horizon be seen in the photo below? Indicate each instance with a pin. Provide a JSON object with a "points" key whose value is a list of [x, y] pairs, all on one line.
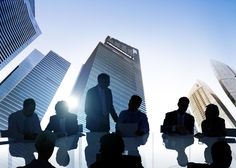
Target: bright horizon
{"points": [[176, 41]]}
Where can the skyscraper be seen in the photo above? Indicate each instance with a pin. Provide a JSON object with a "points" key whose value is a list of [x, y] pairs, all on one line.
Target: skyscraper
{"points": [[227, 79], [200, 96], [36, 77], [18, 28], [121, 62]]}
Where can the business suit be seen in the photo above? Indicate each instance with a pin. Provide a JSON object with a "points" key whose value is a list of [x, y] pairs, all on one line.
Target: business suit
{"points": [[171, 120], [96, 120], [213, 127], [70, 121]]}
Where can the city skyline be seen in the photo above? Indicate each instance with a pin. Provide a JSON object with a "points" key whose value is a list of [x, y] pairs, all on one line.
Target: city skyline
{"points": [[176, 39]]}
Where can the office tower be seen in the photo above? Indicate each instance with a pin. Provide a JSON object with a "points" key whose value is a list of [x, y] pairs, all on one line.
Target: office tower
{"points": [[36, 77], [227, 79], [200, 96], [18, 28], [121, 62]]}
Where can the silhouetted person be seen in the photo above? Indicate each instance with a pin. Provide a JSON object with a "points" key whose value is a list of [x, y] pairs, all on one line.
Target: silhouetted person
{"points": [[99, 105], [221, 157], [179, 121], [63, 123], [44, 145], [213, 125], [178, 143], [24, 124], [133, 115], [111, 149]]}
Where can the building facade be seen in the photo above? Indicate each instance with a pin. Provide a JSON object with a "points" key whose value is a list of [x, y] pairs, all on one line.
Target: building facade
{"points": [[121, 62], [36, 77], [18, 28], [227, 79], [200, 96]]}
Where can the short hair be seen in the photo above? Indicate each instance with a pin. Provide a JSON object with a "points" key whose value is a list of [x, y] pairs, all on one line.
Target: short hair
{"points": [[103, 76], [61, 105], [213, 109], [45, 141], [183, 99], [28, 102], [112, 144], [136, 98]]}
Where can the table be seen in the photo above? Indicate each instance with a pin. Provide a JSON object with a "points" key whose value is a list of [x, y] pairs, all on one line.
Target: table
{"points": [[156, 150]]}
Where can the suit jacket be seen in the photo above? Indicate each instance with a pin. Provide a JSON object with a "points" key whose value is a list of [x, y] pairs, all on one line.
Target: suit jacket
{"points": [[171, 120], [16, 124], [96, 121], [214, 127], [71, 124]]}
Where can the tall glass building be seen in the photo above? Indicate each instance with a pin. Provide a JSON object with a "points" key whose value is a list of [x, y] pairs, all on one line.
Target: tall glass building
{"points": [[36, 77], [200, 96], [227, 79], [122, 63], [18, 28]]}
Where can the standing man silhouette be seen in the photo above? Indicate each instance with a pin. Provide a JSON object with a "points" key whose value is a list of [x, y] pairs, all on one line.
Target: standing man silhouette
{"points": [[99, 105]]}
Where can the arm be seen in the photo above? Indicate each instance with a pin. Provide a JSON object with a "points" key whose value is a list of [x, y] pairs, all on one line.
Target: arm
{"points": [[49, 126], [87, 103], [168, 126], [112, 109], [143, 124], [37, 125]]}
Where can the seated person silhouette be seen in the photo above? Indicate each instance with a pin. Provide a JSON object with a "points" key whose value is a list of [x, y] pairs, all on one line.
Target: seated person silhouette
{"points": [[221, 157], [63, 123], [213, 125], [111, 149], [133, 115], [24, 124], [44, 145], [178, 121]]}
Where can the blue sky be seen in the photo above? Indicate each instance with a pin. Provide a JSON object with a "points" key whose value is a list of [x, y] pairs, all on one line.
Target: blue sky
{"points": [[176, 39]]}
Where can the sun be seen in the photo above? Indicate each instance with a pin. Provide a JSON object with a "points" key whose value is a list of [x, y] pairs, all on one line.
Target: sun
{"points": [[72, 102]]}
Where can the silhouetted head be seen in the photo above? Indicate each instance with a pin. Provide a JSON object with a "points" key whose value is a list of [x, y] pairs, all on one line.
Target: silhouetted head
{"points": [[29, 107], [62, 158], [183, 105], [212, 111], [44, 144], [61, 108], [111, 145], [221, 154], [103, 80], [134, 102]]}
